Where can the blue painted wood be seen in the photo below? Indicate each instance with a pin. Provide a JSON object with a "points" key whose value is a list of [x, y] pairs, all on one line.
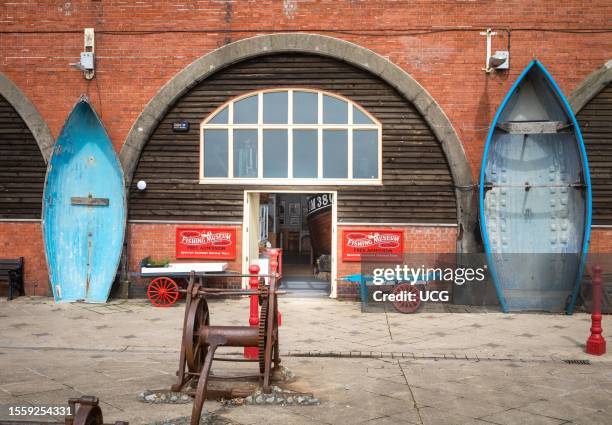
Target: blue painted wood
{"points": [[83, 242], [535, 197]]}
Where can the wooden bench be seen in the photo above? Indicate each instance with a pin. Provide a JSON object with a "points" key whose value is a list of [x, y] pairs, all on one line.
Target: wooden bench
{"points": [[11, 272]]}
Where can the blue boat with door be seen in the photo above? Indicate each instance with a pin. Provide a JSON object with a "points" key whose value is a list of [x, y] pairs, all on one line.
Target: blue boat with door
{"points": [[535, 197], [84, 210]]}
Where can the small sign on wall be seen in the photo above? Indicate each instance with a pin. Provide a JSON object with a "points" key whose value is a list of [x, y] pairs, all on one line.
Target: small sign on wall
{"points": [[378, 244], [213, 243]]}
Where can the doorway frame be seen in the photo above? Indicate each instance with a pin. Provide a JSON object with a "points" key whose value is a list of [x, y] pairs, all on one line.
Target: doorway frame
{"points": [[334, 229]]}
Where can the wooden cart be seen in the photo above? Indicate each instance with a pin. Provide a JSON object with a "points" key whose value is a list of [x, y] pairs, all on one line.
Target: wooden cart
{"points": [[163, 289]]}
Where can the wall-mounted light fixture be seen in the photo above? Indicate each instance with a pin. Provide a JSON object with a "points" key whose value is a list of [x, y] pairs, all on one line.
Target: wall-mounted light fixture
{"points": [[141, 185], [500, 60]]}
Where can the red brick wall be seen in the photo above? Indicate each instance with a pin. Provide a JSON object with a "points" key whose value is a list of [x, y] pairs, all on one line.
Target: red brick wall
{"points": [[40, 39], [601, 241], [417, 240], [24, 239], [158, 241], [132, 67]]}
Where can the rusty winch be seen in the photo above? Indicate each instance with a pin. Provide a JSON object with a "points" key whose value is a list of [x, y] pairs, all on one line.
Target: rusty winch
{"points": [[83, 411], [201, 340]]}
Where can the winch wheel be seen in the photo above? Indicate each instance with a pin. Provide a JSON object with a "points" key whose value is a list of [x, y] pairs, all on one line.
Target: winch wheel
{"points": [[197, 318]]}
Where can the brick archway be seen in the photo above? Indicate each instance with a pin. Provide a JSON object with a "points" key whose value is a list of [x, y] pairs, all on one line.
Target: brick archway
{"points": [[590, 87], [348, 52], [29, 114]]}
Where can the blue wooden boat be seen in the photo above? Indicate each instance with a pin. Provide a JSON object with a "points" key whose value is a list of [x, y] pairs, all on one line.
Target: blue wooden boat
{"points": [[535, 197], [84, 210]]}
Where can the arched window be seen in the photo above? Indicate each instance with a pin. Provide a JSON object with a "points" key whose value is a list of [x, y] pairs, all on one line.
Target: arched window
{"points": [[290, 136]]}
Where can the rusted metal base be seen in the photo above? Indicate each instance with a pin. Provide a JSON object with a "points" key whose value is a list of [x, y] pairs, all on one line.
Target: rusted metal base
{"points": [[85, 411]]}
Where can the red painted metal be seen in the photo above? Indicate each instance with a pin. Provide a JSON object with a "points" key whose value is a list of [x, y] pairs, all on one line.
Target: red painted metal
{"points": [[206, 242], [253, 352], [596, 344], [278, 252], [376, 243], [275, 267], [163, 292]]}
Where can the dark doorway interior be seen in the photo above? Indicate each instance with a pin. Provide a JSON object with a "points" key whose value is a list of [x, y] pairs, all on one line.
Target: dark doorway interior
{"points": [[287, 222]]}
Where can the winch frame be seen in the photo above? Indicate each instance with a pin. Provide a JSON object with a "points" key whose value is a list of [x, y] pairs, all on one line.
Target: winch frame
{"points": [[200, 340]]}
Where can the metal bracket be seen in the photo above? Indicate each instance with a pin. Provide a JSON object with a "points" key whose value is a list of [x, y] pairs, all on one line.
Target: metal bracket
{"points": [[489, 33], [89, 201]]}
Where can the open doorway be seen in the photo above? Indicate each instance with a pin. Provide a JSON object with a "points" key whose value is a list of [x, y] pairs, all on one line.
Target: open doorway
{"points": [[301, 225]]}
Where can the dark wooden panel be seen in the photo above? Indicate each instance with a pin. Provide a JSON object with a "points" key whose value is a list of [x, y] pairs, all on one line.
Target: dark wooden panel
{"points": [[596, 125], [417, 183], [22, 167]]}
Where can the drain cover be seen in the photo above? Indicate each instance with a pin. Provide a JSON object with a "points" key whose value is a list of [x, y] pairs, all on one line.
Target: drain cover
{"points": [[575, 361]]}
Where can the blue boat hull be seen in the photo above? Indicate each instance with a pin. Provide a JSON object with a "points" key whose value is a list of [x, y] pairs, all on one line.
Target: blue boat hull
{"points": [[535, 197], [84, 212]]}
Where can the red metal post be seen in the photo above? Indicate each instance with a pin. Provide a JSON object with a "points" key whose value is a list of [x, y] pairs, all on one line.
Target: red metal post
{"points": [[596, 344], [275, 257], [279, 258], [253, 352]]}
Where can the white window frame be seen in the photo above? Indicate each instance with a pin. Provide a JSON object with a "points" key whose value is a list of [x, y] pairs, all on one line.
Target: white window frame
{"points": [[318, 127]]}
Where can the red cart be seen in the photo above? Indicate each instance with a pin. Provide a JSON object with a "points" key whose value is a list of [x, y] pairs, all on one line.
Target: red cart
{"points": [[163, 289]]}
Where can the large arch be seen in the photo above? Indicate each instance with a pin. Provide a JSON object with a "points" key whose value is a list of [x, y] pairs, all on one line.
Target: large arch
{"points": [[590, 104], [351, 53], [590, 87], [29, 114]]}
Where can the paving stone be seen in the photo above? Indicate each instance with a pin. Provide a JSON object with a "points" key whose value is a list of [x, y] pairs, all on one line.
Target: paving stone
{"points": [[559, 409], [599, 418], [351, 390], [514, 416], [36, 385]]}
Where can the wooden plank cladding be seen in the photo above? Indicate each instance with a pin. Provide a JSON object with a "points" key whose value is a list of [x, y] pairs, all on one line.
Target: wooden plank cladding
{"points": [[595, 120], [22, 167], [417, 182]]}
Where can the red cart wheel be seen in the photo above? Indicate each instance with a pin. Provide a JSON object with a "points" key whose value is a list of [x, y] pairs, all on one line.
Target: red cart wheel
{"points": [[163, 292], [408, 292]]}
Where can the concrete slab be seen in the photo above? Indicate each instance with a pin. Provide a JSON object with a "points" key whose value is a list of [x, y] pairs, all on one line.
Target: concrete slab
{"points": [[455, 367]]}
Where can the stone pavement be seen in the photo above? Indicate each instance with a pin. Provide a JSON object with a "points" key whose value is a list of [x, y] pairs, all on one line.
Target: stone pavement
{"points": [[427, 368]]}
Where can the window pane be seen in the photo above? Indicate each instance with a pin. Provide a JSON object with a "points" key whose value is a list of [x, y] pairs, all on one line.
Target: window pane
{"points": [[220, 117], [360, 118], [275, 152], [335, 111], [245, 110], [215, 153], [305, 150], [275, 107], [365, 154], [245, 153], [305, 107], [335, 154]]}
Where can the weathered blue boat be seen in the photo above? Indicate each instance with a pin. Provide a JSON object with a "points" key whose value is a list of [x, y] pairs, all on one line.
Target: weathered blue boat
{"points": [[535, 197], [84, 212]]}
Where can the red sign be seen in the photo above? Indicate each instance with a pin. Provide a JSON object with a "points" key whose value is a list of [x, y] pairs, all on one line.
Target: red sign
{"points": [[217, 243], [376, 244]]}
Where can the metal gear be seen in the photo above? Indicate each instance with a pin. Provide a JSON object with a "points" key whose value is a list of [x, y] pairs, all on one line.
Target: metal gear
{"points": [[263, 325]]}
